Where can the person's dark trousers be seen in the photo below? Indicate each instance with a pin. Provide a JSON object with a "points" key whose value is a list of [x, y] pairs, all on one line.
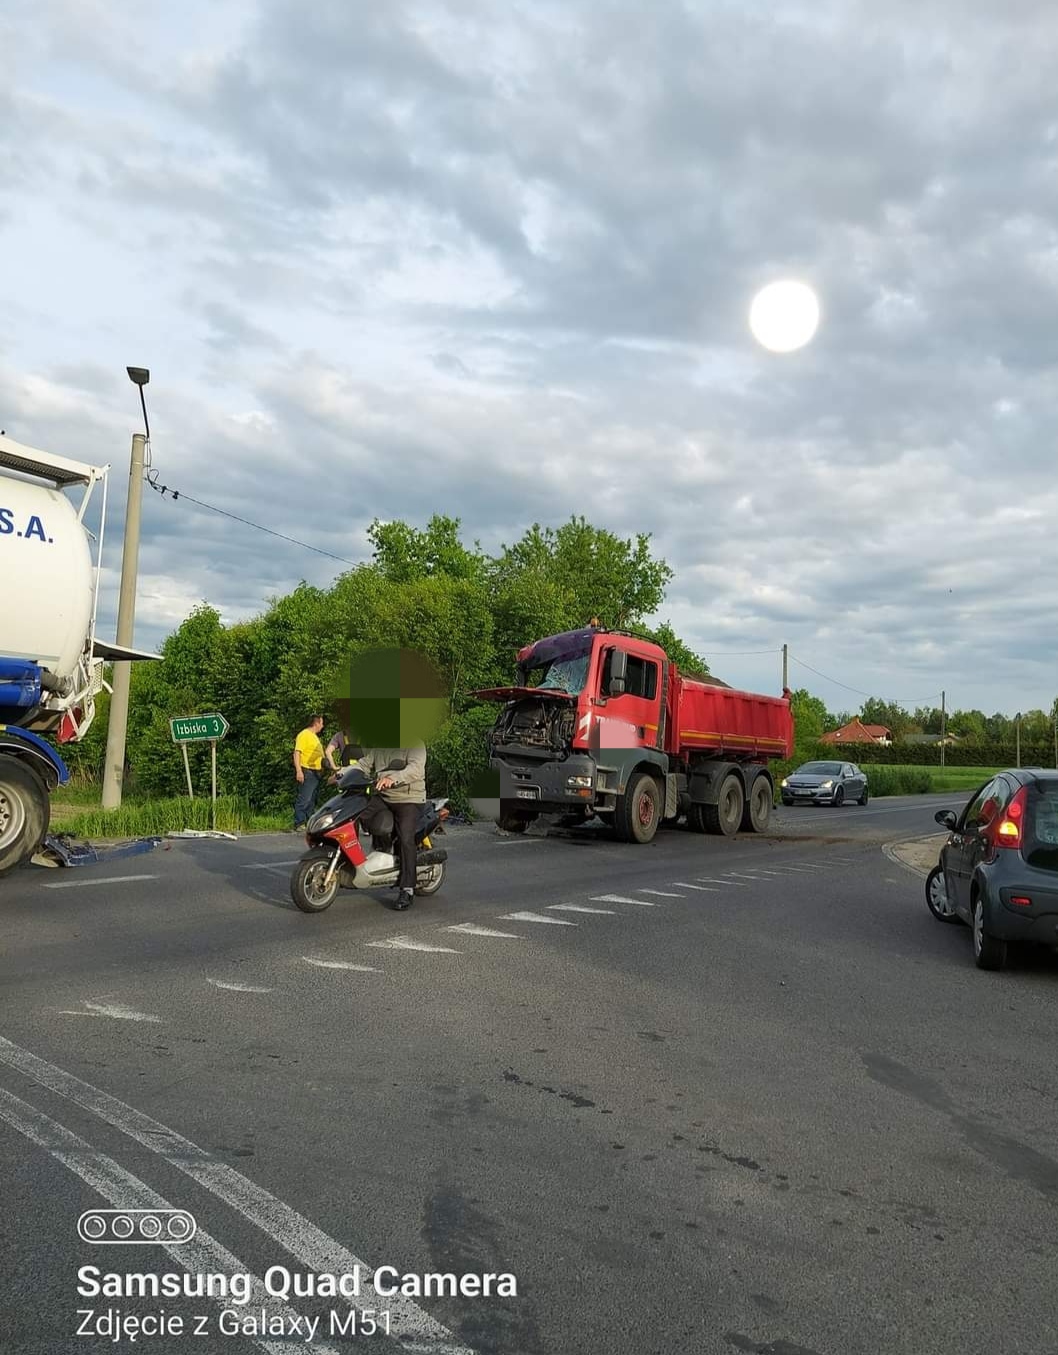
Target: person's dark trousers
{"points": [[406, 816], [306, 801]]}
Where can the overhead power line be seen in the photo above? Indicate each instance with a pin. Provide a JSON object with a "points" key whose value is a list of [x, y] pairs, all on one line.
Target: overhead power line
{"points": [[739, 653], [152, 480], [869, 695]]}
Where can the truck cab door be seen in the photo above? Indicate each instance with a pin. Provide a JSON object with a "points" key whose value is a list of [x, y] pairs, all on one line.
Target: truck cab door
{"points": [[630, 687]]}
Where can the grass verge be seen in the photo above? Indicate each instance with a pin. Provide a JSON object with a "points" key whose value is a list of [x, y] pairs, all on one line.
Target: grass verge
{"points": [[155, 818]]}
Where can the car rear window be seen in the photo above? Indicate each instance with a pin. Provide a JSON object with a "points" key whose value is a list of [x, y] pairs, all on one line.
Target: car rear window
{"points": [[1042, 837]]}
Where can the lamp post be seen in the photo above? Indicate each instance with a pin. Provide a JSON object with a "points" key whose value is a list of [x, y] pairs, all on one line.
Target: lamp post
{"points": [[117, 728]]}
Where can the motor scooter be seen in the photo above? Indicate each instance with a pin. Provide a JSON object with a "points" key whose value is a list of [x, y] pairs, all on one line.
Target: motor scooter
{"points": [[337, 860]]}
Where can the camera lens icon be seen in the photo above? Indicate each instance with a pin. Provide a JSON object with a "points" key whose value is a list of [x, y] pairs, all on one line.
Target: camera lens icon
{"points": [[136, 1227]]}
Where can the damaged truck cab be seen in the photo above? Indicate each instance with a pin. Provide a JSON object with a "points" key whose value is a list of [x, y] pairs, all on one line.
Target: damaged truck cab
{"points": [[602, 724]]}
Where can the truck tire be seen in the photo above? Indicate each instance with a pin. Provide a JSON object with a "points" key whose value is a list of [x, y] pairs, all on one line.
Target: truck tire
{"points": [[638, 811], [757, 812], [25, 811], [725, 816], [513, 823]]}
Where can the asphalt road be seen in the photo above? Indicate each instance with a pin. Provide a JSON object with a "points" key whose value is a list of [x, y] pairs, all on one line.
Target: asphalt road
{"points": [[705, 1095]]}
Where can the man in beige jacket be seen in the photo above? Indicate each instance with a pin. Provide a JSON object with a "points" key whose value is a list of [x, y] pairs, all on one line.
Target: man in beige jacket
{"points": [[403, 790]]}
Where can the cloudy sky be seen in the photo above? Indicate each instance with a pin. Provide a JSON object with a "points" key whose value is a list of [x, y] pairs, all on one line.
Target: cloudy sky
{"points": [[496, 260]]}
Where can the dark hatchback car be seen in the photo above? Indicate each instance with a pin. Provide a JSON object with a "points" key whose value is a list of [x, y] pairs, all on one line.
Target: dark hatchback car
{"points": [[998, 871]]}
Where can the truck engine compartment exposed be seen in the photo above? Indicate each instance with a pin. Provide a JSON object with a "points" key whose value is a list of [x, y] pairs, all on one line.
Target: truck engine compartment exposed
{"points": [[534, 724]]}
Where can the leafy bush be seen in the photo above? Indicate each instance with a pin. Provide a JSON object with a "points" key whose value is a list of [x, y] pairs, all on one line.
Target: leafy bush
{"points": [[155, 818], [898, 780]]}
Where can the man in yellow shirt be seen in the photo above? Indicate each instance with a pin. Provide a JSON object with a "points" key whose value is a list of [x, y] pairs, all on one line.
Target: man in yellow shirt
{"points": [[308, 768]]}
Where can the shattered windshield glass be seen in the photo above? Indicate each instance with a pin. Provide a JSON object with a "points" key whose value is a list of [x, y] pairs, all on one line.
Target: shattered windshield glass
{"points": [[566, 674]]}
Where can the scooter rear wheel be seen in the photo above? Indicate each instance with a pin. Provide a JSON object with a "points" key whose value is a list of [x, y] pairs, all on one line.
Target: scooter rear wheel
{"points": [[306, 884]]}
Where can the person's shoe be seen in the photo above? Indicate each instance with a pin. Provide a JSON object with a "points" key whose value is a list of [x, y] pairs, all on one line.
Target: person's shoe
{"points": [[403, 900]]}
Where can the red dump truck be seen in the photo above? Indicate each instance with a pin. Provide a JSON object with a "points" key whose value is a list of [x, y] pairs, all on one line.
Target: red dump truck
{"points": [[602, 724]]}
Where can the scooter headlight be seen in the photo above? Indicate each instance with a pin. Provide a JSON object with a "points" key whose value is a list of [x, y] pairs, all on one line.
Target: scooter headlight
{"points": [[325, 822]]}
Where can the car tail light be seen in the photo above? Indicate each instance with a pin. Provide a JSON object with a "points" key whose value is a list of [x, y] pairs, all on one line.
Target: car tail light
{"points": [[1010, 830]]}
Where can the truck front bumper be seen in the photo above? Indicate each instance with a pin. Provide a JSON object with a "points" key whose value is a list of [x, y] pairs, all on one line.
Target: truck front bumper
{"points": [[551, 787]]}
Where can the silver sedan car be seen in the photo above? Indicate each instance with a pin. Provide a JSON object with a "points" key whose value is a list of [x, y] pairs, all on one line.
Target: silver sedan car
{"points": [[825, 783]]}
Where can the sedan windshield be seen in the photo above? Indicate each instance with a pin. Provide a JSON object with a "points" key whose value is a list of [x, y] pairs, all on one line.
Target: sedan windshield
{"points": [[819, 769]]}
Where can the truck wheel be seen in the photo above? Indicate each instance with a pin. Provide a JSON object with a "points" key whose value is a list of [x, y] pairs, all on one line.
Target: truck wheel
{"points": [[757, 813], [725, 816], [638, 810], [513, 823], [25, 811]]}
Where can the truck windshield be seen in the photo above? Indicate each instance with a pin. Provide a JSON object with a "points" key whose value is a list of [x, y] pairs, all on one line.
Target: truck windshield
{"points": [[566, 674]]}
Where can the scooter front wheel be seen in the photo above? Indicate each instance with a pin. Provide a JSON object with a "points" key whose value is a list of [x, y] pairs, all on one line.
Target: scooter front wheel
{"points": [[307, 887], [431, 880]]}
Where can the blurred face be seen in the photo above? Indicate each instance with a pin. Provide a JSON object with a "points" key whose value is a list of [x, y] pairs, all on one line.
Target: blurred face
{"points": [[394, 699]]}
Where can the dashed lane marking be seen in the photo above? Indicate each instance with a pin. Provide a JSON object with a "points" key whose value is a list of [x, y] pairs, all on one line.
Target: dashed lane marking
{"points": [[412, 1327], [472, 929], [342, 964], [97, 880], [232, 987], [661, 893], [708, 879], [622, 898], [114, 1010], [741, 875], [706, 889], [408, 943], [578, 908], [273, 865], [536, 917]]}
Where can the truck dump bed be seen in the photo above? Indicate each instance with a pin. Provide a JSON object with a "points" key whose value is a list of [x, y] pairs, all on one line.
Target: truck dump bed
{"points": [[725, 720]]}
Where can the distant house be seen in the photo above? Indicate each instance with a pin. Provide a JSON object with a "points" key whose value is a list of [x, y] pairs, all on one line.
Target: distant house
{"points": [[857, 732], [946, 739]]}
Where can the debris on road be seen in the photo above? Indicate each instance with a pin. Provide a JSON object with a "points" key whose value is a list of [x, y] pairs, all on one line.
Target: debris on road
{"points": [[60, 849]]}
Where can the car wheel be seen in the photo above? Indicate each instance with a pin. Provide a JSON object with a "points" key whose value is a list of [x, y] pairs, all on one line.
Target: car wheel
{"points": [[989, 951], [937, 897], [839, 797]]}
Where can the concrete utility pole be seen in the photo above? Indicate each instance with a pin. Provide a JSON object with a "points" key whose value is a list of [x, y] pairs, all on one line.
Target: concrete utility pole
{"points": [[114, 768], [785, 667], [1017, 733], [943, 714]]}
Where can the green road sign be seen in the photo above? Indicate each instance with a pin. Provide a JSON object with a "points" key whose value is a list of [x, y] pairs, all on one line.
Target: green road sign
{"points": [[198, 728]]}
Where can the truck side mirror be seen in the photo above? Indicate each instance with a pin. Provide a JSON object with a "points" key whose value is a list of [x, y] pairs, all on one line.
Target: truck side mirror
{"points": [[618, 672]]}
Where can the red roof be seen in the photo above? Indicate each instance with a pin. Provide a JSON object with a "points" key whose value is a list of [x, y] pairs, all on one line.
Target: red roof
{"points": [[856, 732]]}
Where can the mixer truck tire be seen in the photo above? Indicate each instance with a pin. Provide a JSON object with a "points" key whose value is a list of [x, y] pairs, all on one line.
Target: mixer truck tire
{"points": [[638, 811], [725, 817], [25, 811]]}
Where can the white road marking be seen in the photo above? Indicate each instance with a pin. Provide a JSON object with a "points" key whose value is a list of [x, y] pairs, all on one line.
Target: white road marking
{"points": [[113, 1009], [237, 987], [535, 917], [807, 865], [506, 841], [272, 865], [661, 893], [202, 1255], [97, 880], [342, 964], [706, 889], [770, 872], [622, 898], [408, 943], [800, 869], [413, 1328], [578, 908], [472, 929], [741, 875], [708, 879]]}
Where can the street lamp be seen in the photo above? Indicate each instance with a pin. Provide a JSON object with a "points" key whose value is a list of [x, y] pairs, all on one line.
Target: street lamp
{"points": [[117, 729]]}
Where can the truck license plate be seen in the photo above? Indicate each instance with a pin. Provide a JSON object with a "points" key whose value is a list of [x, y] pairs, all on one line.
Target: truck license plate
{"points": [[527, 795]]}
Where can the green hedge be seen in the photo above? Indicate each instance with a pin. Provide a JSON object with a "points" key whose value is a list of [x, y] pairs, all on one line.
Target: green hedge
{"points": [[928, 754]]}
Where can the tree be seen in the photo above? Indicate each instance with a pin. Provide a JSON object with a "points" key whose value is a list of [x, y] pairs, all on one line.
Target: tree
{"points": [[402, 553], [619, 582], [811, 718], [877, 712]]}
